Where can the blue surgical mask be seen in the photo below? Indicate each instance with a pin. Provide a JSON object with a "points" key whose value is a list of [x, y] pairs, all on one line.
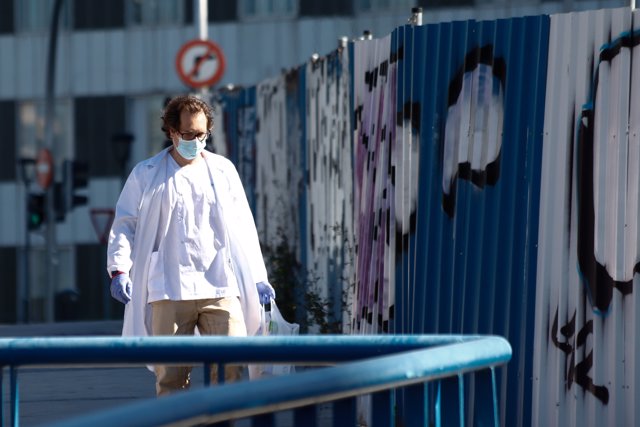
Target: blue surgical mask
{"points": [[190, 149]]}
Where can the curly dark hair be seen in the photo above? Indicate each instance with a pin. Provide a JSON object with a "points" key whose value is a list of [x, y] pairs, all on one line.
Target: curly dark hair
{"points": [[175, 106]]}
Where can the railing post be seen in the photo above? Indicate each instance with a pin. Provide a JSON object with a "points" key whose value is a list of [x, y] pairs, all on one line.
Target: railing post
{"points": [[1, 397], [438, 404], [221, 369], [461, 398], [207, 374], [15, 397], [496, 421], [451, 390], [480, 398]]}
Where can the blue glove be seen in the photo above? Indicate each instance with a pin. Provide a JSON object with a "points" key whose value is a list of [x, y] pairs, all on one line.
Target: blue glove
{"points": [[121, 288], [265, 292]]}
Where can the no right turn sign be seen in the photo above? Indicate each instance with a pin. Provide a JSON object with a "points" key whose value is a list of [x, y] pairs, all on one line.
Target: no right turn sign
{"points": [[200, 63]]}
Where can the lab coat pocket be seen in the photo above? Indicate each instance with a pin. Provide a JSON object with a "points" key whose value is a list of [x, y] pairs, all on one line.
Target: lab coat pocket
{"points": [[155, 279]]}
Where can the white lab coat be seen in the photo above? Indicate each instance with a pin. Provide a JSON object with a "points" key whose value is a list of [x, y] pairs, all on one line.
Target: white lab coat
{"points": [[137, 222]]}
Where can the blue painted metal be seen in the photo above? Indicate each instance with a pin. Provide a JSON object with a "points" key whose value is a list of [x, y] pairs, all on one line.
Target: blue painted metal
{"points": [[438, 404], [312, 387], [475, 271], [345, 410], [15, 397], [382, 408], [305, 416], [320, 349], [400, 361], [207, 374], [496, 420], [263, 420], [240, 130], [461, 398], [221, 369], [306, 348], [416, 405]]}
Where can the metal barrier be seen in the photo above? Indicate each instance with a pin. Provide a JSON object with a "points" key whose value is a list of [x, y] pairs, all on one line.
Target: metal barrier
{"points": [[376, 365]]}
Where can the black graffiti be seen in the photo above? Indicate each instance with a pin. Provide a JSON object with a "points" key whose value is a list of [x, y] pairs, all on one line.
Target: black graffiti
{"points": [[382, 71], [598, 281], [488, 176], [578, 372]]}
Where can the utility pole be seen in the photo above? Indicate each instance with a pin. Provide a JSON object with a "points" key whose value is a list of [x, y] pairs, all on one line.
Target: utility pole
{"points": [[50, 143]]}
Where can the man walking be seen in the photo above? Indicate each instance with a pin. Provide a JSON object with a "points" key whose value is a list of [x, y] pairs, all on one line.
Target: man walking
{"points": [[183, 249]]}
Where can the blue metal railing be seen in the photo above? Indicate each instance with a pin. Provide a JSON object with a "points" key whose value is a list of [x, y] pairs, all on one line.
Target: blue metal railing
{"points": [[375, 365]]}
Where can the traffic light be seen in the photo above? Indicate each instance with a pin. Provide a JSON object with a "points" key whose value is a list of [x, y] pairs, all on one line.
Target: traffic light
{"points": [[36, 211], [75, 177]]}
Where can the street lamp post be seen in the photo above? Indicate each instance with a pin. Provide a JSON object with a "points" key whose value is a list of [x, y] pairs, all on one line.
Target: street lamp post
{"points": [[27, 174]]}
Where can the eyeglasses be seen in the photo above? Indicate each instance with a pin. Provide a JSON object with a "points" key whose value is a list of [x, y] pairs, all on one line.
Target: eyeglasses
{"points": [[190, 136]]}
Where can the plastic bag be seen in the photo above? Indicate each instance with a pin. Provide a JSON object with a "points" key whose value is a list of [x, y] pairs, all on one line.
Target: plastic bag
{"points": [[277, 324], [274, 324]]}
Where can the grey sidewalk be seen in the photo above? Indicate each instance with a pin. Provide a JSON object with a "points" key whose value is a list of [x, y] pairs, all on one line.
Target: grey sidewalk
{"points": [[103, 327]]}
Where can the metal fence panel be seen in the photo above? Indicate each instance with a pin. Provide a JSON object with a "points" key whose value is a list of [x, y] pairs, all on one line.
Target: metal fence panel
{"points": [[585, 367], [472, 98], [462, 223]]}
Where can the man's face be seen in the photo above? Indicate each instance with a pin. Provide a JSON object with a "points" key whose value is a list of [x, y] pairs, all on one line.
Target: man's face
{"points": [[192, 125]]}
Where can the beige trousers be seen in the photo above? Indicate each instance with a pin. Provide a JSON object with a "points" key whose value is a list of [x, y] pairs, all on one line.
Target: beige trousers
{"points": [[217, 316]]}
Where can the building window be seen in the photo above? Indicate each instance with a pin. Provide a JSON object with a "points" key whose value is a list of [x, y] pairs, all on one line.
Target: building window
{"points": [[6, 17], [430, 4], [326, 7], [31, 128], [159, 12], [8, 126], [154, 108], [385, 5], [98, 15], [93, 300], [222, 11], [97, 120], [8, 262], [39, 271], [259, 10], [35, 15]]}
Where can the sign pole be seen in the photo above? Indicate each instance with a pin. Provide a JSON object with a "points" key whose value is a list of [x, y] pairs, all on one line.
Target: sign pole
{"points": [[203, 30], [203, 17], [52, 256]]}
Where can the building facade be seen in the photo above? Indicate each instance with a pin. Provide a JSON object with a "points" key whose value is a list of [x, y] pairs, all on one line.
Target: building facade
{"points": [[114, 69]]}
